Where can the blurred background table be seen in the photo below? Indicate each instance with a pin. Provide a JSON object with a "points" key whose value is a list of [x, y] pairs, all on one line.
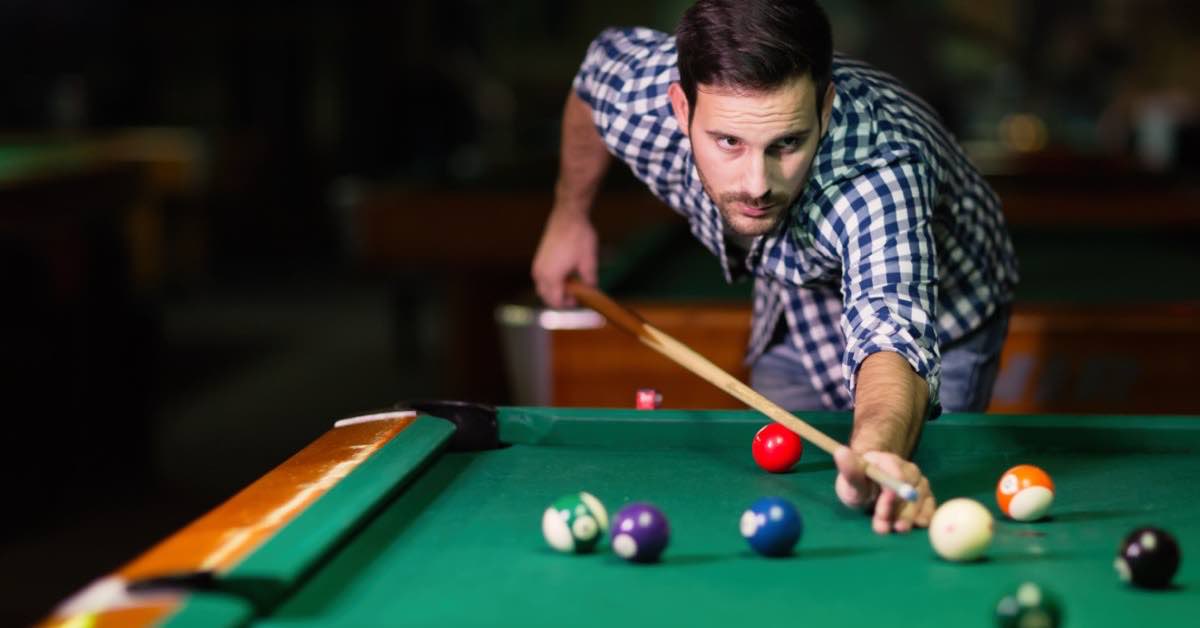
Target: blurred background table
{"points": [[86, 247]]}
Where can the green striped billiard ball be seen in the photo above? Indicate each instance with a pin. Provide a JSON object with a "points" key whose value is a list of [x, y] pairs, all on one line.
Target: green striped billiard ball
{"points": [[1030, 606], [575, 523]]}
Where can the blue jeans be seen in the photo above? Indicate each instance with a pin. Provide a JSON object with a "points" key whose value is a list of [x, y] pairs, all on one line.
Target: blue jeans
{"points": [[969, 368]]}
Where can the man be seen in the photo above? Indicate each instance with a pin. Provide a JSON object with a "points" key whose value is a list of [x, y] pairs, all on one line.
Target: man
{"points": [[883, 268]]}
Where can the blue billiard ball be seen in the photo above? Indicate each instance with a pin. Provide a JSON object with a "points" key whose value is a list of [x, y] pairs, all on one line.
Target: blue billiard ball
{"points": [[772, 526]]}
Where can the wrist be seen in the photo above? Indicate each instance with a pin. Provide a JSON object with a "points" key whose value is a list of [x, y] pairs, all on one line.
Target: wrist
{"points": [[564, 214], [571, 203]]}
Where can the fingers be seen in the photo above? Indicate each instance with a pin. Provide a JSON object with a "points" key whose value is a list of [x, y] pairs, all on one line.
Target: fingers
{"points": [[852, 486], [927, 506], [568, 246], [892, 514], [885, 509], [587, 269], [550, 271], [552, 291]]}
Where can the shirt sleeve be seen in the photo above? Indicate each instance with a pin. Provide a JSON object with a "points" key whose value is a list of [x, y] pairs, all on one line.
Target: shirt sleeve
{"points": [[880, 225], [624, 79], [617, 60], [602, 75]]}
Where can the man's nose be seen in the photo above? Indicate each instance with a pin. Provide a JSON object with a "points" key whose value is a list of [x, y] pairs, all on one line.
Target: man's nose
{"points": [[756, 178]]}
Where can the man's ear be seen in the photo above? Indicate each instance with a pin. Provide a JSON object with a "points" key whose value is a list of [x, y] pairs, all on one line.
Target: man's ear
{"points": [[827, 106], [679, 104]]}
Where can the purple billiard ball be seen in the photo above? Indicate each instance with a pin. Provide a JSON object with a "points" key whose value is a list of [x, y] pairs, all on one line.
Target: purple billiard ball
{"points": [[640, 533]]}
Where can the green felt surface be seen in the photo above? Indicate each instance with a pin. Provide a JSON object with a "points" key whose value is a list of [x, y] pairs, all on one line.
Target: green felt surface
{"points": [[461, 545]]}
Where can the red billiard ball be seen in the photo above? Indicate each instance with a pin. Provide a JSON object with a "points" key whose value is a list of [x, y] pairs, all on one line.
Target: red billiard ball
{"points": [[776, 448]]}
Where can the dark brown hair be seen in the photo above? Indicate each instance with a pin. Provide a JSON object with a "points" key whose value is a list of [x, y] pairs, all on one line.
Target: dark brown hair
{"points": [[753, 45]]}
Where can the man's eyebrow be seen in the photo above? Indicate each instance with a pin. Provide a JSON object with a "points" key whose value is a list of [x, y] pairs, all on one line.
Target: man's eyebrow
{"points": [[800, 133], [718, 134]]}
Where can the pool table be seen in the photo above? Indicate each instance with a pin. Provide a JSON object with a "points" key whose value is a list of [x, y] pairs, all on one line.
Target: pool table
{"points": [[432, 517], [1106, 320], [63, 188]]}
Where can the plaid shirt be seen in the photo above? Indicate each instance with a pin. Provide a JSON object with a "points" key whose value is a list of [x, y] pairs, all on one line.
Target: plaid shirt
{"points": [[895, 244]]}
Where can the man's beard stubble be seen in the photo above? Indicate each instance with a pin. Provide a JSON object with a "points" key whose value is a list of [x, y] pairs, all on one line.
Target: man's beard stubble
{"points": [[779, 204]]}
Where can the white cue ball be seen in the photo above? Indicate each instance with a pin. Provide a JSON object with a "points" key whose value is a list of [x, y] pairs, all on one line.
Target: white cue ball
{"points": [[961, 530]]}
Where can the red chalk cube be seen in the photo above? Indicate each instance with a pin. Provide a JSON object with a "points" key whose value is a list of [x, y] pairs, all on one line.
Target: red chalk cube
{"points": [[648, 399]]}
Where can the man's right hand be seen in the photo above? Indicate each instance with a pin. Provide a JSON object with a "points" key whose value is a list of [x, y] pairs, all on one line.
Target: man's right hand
{"points": [[569, 242], [568, 247]]}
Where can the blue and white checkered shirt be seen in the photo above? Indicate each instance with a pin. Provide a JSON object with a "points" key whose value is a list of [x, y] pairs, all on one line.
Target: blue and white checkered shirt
{"points": [[895, 244]]}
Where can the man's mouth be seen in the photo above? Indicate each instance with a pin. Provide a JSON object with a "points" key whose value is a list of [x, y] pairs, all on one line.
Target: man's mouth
{"points": [[754, 211]]}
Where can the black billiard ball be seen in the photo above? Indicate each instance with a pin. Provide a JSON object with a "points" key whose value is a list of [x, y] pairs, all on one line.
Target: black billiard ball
{"points": [[1148, 558], [1030, 606]]}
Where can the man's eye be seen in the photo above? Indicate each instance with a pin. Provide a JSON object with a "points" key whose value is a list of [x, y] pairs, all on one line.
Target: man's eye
{"points": [[788, 144], [727, 142]]}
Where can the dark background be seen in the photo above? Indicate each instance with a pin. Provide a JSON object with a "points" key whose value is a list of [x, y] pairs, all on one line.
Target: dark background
{"points": [[141, 388]]}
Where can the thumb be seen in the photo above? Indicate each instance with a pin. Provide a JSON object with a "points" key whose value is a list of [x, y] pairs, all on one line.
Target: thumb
{"points": [[849, 465], [853, 487]]}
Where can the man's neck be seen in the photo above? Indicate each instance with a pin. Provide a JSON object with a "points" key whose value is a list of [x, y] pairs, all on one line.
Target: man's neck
{"points": [[743, 242]]}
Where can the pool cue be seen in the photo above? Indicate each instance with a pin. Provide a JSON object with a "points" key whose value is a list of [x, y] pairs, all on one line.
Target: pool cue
{"points": [[683, 355]]}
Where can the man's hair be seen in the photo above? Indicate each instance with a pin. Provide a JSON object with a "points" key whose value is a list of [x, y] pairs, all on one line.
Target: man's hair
{"points": [[755, 45]]}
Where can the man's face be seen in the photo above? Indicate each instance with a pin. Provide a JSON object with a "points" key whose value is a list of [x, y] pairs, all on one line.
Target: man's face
{"points": [[753, 149]]}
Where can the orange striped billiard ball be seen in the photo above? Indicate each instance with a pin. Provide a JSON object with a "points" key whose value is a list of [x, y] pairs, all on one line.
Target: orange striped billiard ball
{"points": [[1025, 493]]}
